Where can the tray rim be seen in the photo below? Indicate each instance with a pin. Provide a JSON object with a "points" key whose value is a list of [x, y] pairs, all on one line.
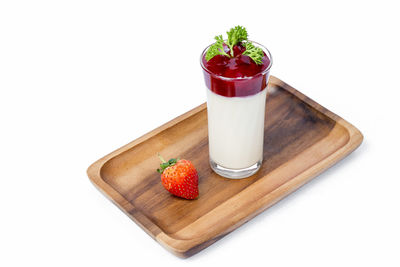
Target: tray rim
{"points": [[187, 247]]}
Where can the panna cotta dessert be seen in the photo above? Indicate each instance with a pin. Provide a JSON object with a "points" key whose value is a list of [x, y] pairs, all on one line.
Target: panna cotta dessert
{"points": [[236, 73]]}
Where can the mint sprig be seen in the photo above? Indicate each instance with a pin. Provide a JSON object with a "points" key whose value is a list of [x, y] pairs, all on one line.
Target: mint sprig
{"points": [[255, 53], [216, 49], [236, 35]]}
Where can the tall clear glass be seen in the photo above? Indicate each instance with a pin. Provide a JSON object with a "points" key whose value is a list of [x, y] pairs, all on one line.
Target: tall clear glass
{"points": [[236, 110]]}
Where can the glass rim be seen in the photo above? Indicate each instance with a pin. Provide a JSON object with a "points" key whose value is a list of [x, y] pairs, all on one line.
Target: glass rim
{"points": [[238, 78]]}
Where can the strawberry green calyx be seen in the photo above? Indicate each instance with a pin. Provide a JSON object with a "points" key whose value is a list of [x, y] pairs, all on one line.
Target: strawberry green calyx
{"points": [[165, 164]]}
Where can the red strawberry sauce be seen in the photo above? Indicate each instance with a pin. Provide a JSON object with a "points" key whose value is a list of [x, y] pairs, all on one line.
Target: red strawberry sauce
{"points": [[236, 76]]}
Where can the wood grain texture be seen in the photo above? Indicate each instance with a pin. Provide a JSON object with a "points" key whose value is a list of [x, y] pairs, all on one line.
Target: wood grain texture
{"points": [[301, 140]]}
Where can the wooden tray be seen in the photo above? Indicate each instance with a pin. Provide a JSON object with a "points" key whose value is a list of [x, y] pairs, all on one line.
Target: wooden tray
{"points": [[302, 139]]}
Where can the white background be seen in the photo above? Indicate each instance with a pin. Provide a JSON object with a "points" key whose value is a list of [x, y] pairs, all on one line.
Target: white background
{"points": [[79, 79]]}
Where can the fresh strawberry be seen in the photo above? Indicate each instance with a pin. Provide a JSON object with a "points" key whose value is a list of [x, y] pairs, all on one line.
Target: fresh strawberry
{"points": [[179, 177]]}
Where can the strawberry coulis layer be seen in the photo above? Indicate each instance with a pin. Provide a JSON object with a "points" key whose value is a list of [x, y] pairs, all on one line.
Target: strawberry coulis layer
{"points": [[237, 76]]}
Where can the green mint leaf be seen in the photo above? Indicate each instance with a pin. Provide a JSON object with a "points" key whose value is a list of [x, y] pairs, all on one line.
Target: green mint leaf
{"points": [[235, 36], [216, 49], [255, 53]]}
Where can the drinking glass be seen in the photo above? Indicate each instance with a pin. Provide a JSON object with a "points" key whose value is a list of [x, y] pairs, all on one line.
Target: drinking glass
{"points": [[236, 111]]}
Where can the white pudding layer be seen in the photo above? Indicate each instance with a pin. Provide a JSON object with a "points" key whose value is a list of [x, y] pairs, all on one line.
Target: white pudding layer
{"points": [[236, 129]]}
